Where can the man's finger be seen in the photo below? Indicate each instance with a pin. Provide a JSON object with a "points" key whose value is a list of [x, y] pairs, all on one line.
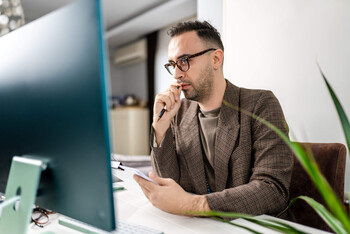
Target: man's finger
{"points": [[176, 90], [145, 184], [156, 178], [146, 192]]}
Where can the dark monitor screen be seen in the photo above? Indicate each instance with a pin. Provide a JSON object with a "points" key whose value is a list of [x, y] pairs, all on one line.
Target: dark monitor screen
{"points": [[53, 104]]}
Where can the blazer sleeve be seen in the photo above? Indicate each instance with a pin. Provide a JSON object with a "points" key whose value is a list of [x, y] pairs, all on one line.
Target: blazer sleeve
{"points": [[268, 189], [164, 158]]}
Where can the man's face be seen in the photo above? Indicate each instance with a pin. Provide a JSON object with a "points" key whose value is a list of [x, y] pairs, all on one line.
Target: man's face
{"points": [[198, 80]]}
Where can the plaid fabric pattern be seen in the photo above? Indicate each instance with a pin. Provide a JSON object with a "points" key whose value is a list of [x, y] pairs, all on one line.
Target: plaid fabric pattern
{"points": [[252, 164]]}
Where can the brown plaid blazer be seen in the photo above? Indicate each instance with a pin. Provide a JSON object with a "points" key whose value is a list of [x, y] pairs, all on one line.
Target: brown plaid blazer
{"points": [[252, 164]]}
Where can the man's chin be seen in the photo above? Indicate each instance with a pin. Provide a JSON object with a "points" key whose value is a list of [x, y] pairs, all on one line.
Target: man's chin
{"points": [[188, 96]]}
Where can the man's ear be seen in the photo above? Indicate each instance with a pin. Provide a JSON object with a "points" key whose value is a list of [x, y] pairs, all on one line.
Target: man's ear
{"points": [[218, 57]]}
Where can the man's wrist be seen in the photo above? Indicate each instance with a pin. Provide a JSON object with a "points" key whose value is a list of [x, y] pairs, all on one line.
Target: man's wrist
{"points": [[158, 136], [159, 139], [198, 203], [202, 203], [155, 144]]}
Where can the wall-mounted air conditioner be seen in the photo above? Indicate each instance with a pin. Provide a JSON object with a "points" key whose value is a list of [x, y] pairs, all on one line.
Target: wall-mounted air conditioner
{"points": [[132, 53]]}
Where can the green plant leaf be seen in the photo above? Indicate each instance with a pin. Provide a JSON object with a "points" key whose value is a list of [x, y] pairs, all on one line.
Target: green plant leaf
{"points": [[278, 226], [268, 223], [341, 113], [332, 221], [308, 162], [237, 225]]}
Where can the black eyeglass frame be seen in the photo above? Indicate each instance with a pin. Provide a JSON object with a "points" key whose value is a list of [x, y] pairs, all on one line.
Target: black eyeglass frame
{"points": [[185, 58], [43, 213]]}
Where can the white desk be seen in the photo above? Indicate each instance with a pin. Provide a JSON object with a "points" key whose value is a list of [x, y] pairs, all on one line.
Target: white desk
{"points": [[133, 206]]}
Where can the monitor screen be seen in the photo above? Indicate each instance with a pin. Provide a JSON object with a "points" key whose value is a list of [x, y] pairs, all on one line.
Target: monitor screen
{"points": [[53, 104]]}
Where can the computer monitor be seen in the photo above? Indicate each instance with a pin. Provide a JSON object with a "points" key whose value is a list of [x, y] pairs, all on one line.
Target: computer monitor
{"points": [[54, 105]]}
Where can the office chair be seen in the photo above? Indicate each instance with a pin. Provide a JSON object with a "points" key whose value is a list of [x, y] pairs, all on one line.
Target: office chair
{"points": [[330, 158]]}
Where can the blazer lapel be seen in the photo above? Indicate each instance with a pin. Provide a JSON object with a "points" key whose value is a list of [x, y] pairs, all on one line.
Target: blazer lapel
{"points": [[191, 148], [226, 135]]}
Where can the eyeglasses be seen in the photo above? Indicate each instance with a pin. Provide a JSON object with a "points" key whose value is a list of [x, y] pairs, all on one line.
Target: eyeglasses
{"points": [[183, 63], [40, 216]]}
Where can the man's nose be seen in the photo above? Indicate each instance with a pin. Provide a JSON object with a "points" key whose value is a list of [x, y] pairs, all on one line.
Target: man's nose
{"points": [[178, 74]]}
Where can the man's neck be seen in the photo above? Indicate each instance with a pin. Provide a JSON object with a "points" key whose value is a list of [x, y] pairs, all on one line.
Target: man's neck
{"points": [[214, 101]]}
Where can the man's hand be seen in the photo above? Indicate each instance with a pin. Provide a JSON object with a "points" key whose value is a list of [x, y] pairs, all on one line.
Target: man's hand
{"points": [[170, 197], [170, 98]]}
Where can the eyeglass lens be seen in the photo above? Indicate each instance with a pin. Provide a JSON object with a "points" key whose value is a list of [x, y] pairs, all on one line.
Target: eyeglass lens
{"points": [[181, 63]]}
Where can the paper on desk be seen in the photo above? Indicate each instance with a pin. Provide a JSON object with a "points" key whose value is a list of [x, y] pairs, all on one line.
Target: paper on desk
{"points": [[126, 174]]}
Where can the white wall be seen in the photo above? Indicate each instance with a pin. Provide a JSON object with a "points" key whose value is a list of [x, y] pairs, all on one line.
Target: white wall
{"points": [[211, 11], [162, 78], [274, 44]]}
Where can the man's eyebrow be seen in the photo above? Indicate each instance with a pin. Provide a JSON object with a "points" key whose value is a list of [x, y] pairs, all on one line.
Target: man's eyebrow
{"points": [[183, 55], [179, 57]]}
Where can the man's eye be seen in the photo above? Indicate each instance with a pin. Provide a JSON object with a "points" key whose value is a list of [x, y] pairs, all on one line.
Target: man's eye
{"points": [[183, 61]]}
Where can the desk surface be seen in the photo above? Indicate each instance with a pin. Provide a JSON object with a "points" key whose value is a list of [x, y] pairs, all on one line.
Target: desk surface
{"points": [[133, 206]]}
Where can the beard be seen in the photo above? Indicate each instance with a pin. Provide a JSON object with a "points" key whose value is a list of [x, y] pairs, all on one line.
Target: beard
{"points": [[202, 89]]}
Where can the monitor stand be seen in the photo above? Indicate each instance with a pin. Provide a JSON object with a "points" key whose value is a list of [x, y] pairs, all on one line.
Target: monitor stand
{"points": [[21, 189]]}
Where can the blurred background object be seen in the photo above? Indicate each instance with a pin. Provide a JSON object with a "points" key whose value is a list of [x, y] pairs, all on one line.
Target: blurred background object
{"points": [[130, 130], [11, 16]]}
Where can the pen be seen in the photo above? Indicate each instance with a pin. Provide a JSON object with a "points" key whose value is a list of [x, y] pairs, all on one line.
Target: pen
{"points": [[162, 112], [164, 108]]}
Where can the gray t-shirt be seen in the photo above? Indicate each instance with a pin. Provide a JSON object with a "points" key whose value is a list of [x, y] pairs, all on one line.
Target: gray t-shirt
{"points": [[208, 123]]}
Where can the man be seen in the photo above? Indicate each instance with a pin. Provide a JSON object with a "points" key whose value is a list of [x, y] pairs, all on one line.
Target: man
{"points": [[209, 156]]}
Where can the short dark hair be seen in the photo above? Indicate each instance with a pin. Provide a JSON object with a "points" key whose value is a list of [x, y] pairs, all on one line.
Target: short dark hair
{"points": [[205, 31]]}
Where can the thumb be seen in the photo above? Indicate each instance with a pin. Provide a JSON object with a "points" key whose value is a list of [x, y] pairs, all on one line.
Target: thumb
{"points": [[156, 178]]}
